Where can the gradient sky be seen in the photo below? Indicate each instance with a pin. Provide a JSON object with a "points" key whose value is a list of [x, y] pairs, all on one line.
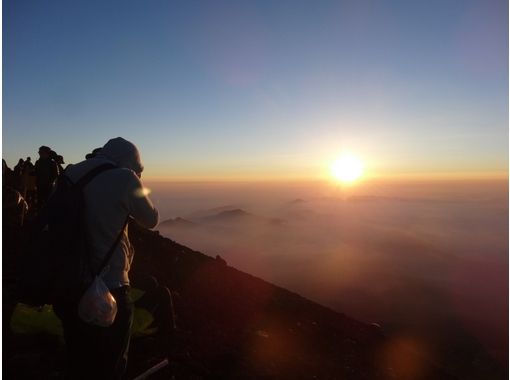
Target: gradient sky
{"points": [[266, 89]]}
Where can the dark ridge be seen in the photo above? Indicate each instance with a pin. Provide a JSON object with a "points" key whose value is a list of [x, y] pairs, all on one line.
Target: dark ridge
{"points": [[241, 327], [231, 326]]}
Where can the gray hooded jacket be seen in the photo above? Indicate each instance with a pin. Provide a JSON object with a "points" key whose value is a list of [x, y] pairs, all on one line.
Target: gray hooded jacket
{"points": [[110, 198]]}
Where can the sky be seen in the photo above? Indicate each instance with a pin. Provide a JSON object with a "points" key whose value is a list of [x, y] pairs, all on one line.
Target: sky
{"points": [[262, 90]]}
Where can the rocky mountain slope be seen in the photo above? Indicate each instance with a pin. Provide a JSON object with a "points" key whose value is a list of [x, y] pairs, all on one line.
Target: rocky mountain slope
{"points": [[230, 326]]}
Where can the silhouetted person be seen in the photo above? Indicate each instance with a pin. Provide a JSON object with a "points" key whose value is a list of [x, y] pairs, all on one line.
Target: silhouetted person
{"points": [[46, 171], [7, 174], [17, 171], [53, 155], [19, 167], [112, 196], [60, 162], [28, 163], [28, 182], [14, 207]]}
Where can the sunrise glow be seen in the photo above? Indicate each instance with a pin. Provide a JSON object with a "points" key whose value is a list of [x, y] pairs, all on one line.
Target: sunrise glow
{"points": [[347, 169]]}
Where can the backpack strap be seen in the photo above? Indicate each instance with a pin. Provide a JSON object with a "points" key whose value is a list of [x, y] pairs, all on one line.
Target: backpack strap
{"points": [[79, 185], [42, 218], [109, 254], [84, 180]]}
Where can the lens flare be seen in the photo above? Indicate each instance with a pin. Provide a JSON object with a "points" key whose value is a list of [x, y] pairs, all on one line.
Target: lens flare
{"points": [[143, 192]]}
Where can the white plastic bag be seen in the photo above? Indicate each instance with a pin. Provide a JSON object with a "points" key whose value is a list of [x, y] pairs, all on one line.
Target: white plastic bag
{"points": [[97, 306]]}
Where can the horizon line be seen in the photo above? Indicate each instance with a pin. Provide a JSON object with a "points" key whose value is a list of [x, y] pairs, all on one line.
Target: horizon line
{"points": [[444, 176]]}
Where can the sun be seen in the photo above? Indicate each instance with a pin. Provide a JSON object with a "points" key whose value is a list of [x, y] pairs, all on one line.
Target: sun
{"points": [[347, 168]]}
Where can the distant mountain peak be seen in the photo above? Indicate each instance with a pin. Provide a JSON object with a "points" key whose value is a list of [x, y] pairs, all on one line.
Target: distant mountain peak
{"points": [[177, 222], [234, 212], [211, 211], [229, 214]]}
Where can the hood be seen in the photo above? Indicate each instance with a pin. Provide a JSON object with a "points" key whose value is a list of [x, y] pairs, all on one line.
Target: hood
{"points": [[124, 153]]}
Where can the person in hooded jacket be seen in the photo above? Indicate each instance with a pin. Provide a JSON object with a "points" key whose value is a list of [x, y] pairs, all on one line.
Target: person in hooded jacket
{"points": [[110, 198]]}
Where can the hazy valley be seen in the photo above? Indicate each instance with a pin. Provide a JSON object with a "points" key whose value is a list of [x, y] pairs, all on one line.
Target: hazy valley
{"points": [[427, 261]]}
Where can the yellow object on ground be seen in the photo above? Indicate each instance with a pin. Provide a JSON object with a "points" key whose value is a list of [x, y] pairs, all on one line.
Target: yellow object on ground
{"points": [[135, 294], [142, 319], [35, 320], [43, 320]]}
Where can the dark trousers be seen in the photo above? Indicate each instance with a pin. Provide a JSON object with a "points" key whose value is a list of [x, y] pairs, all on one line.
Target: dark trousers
{"points": [[43, 193], [158, 301], [95, 352]]}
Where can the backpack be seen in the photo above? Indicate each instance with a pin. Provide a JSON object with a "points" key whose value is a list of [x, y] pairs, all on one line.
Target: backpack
{"points": [[56, 267]]}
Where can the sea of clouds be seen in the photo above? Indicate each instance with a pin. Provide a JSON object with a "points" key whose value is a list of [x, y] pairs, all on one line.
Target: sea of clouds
{"points": [[427, 260]]}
